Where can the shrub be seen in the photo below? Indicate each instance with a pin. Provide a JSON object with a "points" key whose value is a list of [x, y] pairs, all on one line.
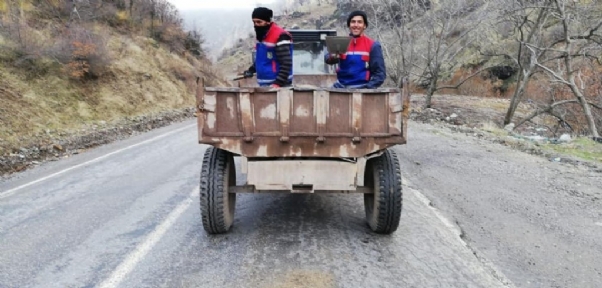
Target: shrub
{"points": [[24, 47], [83, 52]]}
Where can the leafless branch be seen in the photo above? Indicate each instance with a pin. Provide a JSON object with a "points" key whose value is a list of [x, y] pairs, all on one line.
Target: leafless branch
{"points": [[546, 109], [464, 80]]}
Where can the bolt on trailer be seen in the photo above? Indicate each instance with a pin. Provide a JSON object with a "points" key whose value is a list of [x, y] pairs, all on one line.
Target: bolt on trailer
{"points": [[308, 138]]}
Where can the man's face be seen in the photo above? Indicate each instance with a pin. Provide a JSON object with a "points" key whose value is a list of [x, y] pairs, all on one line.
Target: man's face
{"points": [[260, 23], [357, 26]]}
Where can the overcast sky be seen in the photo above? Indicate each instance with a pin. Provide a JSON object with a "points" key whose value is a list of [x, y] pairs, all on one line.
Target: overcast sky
{"points": [[216, 4]]}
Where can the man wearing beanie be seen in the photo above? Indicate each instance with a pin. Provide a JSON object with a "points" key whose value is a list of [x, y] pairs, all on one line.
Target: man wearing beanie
{"points": [[363, 66], [273, 59]]}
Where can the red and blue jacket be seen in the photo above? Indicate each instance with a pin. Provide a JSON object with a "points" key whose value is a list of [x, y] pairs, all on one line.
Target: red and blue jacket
{"points": [[267, 63], [362, 66]]}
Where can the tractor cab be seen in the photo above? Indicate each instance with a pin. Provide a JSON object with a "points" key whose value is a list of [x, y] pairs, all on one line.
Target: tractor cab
{"points": [[309, 48]]}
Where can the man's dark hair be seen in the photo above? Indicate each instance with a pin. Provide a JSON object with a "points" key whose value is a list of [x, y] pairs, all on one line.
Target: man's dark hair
{"points": [[263, 13], [357, 13]]}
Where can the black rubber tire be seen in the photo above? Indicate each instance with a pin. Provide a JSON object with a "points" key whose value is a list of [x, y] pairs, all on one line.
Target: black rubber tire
{"points": [[217, 205], [383, 208]]}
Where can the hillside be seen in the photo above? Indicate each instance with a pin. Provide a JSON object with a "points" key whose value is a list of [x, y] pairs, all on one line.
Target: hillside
{"points": [[67, 75]]}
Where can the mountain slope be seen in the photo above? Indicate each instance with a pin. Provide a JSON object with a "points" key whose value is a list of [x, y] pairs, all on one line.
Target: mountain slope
{"points": [[67, 72]]}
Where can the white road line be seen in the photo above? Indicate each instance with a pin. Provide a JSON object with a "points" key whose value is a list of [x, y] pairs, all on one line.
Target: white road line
{"points": [[13, 190], [135, 256]]}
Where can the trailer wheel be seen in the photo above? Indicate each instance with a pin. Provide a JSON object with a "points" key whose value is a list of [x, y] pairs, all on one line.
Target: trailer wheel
{"points": [[217, 205], [383, 207]]}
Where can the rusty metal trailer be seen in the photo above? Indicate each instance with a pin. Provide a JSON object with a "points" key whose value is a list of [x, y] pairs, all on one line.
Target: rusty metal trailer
{"points": [[302, 139]]}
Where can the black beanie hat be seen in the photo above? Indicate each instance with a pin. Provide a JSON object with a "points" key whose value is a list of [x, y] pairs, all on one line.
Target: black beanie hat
{"points": [[357, 13], [262, 13]]}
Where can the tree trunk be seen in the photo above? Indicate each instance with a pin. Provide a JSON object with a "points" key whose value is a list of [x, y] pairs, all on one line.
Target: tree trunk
{"points": [[520, 90], [570, 72], [517, 97], [587, 111], [152, 20], [432, 86]]}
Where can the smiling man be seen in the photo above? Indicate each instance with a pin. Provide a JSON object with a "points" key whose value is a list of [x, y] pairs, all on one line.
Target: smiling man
{"points": [[273, 59], [363, 66]]}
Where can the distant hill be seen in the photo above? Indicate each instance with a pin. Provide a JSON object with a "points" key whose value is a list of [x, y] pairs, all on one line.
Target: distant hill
{"points": [[220, 28]]}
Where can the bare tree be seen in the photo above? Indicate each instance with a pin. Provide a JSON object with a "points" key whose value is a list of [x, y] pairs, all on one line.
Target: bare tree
{"points": [[447, 29], [576, 45], [420, 39], [390, 22], [16, 28], [527, 22]]}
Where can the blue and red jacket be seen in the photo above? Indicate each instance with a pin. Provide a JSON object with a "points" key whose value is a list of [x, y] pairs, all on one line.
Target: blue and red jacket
{"points": [[362, 66], [267, 64]]}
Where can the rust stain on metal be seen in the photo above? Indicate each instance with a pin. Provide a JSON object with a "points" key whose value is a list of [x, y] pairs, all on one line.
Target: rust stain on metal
{"points": [[303, 146], [339, 109], [246, 116], [268, 112], [356, 112], [265, 114], [209, 103], [303, 119], [285, 99], [303, 122], [395, 117], [231, 105], [302, 111], [200, 115], [322, 101], [226, 111], [375, 112], [200, 92], [406, 109]]}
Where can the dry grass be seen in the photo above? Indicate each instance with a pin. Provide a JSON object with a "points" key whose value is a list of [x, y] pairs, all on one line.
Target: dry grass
{"points": [[486, 115], [584, 148], [493, 129], [143, 78]]}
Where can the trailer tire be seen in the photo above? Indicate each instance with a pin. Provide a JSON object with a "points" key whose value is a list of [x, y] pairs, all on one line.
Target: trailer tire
{"points": [[217, 205], [383, 207]]}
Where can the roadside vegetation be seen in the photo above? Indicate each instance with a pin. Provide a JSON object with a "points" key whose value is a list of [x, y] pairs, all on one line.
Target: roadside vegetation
{"points": [[65, 65]]}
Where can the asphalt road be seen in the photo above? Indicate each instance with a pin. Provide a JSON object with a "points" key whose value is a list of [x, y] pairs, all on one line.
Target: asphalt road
{"points": [[127, 215]]}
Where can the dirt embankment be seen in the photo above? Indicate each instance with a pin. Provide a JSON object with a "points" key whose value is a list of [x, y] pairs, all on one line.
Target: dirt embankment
{"points": [[482, 117], [56, 145], [74, 76]]}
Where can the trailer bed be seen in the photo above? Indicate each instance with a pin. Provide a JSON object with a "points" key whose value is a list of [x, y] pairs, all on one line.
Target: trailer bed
{"points": [[302, 122]]}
